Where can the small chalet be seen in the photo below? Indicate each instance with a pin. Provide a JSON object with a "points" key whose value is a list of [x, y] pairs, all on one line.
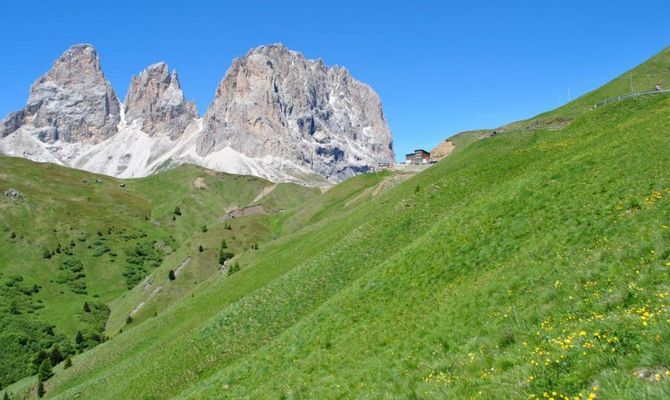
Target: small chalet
{"points": [[419, 156]]}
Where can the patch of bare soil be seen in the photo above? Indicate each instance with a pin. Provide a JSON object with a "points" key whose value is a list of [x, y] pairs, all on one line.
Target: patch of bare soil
{"points": [[199, 183], [183, 265], [243, 212]]}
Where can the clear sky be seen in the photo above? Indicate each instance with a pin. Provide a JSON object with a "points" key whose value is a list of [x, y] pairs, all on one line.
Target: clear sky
{"points": [[440, 67]]}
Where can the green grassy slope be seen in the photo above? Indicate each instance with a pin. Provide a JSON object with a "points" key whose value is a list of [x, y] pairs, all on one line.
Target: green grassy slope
{"points": [[526, 263], [71, 240]]}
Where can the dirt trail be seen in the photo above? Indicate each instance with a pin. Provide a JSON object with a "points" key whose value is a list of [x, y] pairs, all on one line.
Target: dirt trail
{"points": [[243, 212], [264, 192], [183, 265], [142, 303]]}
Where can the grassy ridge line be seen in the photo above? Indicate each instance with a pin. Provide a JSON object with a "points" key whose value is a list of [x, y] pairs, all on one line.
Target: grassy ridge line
{"points": [[645, 76]]}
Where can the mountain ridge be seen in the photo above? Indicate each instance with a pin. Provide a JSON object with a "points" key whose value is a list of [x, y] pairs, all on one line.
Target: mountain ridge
{"points": [[296, 134]]}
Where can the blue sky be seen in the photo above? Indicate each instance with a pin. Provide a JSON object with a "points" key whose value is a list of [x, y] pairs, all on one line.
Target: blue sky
{"points": [[440, 67]]}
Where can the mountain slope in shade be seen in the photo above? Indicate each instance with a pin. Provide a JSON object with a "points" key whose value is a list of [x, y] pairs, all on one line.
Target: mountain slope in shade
{"points": [[276, 115]]}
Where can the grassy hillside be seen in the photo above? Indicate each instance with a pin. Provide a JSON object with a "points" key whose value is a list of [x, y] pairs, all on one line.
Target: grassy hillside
{"points": [[72, 237], [525, 264], [531, 264]]}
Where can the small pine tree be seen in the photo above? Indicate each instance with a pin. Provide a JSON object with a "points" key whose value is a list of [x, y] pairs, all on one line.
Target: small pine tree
{"points": [[79, 340], [45, 372], [6, 396], [224, 245], [177, 211], [68, 362], [129, 320], [40, 388], [39, 359], [87, 308], [201, 249], [46, 254], [204, 228], [12, 236], [233, 268], [171, 275], [56, 355]]}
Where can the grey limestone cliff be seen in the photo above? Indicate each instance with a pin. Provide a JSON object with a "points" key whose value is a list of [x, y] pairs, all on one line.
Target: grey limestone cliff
{"points": [[274, 102], [155, 99], [73, 102]]}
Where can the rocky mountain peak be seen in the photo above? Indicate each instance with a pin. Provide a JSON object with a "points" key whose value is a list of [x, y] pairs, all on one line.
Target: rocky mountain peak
{"points": [[79, 62], [276, 114], [73, 102], [156, 101], [274, 102]]}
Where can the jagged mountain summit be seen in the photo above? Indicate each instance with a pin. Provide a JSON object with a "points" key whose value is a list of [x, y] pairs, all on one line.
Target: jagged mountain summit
{"points": [[276, 115], [155, 100], [303, 115], [73, 102]]}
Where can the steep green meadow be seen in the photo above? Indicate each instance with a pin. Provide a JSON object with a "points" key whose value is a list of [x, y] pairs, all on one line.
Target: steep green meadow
{"points": [[73, 238], [527, 265]]}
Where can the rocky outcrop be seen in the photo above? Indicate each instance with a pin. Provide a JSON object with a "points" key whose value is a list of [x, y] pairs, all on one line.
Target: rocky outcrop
{"points": [[275, 103], [73, 102], [155, 100], [14, 194], [442, 150]]}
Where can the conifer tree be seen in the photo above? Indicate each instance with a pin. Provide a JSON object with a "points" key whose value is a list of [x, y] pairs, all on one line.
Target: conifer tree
{"points": [[79, 340], [45, 372], [171, 275], [68, 362], [56, 355], [40, 388]]}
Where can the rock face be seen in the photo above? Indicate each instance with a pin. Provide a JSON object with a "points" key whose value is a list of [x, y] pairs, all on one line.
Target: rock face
{"points": [[14, 194], [275, 103], [73, 102], [155, 100], [276, 115]]}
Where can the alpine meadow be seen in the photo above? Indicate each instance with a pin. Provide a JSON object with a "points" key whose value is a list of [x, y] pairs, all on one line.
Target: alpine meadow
{"points": [[273, 247]]}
